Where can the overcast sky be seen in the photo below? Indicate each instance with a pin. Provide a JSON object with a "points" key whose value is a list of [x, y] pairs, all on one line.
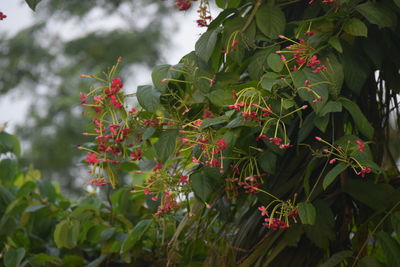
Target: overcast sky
{"points": [[13, 108]]}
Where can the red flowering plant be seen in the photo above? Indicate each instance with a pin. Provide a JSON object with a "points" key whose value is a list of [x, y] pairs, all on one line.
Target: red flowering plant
{"points": [[230, 131]]}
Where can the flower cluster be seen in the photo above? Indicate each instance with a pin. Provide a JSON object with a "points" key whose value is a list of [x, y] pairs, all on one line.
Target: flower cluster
{"points": [[204, 14], [2, 16], [302, 54], [347, 155], [98, 182], [281, 212]]}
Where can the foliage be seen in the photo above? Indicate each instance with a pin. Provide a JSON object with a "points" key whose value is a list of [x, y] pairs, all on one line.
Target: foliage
{"points": [[269, 145]]}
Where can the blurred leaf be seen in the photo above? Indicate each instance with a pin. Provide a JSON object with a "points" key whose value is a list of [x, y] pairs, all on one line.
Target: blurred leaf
{"points": [[307, 212], [359, 119], [32, 3], [148, 97], [355, 27], [275, 62], [9, 143], [377, 13], [205, 45], [165, 145], [204, 181], [337, 258], [333, 173], [136, 234], [390, 248], [13, 257], [271, 20]]}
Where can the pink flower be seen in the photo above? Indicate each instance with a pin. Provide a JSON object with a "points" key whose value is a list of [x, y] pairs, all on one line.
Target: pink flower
{"points": [[2, 16], [137, 155], [332, 161], [222, 144], [364, 171], [318, 138], [184, 179], [263, 210], [158, 166], [360, 146], [91, 158]]}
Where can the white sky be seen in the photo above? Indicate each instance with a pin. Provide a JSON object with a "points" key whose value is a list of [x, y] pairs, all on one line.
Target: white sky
{"points": [[13, 108]]}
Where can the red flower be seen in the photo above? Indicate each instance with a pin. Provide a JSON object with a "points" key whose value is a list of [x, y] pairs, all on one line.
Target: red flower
{"points": [[91, 158], [184, 179], [137, 155], [364, 171], [2, 16], [360, 146], [158, 166], [263, 210], [222, 144], [183, 4]]}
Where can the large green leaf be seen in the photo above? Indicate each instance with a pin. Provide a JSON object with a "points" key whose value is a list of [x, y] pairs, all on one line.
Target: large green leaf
{"points": [[307, 212], [204, 47], [377, 13], [271, 21], [376, 196], [13, 257], [337, 258], [355, 27], [9, 143], [32, 3], [359, 119], [66, 233], [148, 97], [275, 62], [390, 248], [204, 182], [332, 174], [136, 234], [165, 145]]}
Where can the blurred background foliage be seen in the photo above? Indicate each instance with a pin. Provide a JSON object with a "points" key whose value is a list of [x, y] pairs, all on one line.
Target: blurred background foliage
{"points": [[44, 65]]}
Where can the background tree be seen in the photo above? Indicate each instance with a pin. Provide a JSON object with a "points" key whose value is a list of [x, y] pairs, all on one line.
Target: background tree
{"points": [[44, 64]]}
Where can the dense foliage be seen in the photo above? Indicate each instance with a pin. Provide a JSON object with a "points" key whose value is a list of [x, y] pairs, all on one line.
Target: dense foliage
{"points": [[269, 145]]}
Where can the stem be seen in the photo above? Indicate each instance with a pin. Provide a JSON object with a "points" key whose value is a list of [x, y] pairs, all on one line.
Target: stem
{"points": [[251, 17]]}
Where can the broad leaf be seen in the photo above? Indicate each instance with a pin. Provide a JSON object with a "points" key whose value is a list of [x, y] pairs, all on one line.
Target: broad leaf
{"points": [[205, 45], [275, 62], [355, 27], [307, 212], [359, 119], [271, 21], [166, 144], [13, 257], [390, 248], [32, 3], [377, 13], [337, 258], [9, 143], [204, 181], [136, 234], [333, 173], [148, 97]]}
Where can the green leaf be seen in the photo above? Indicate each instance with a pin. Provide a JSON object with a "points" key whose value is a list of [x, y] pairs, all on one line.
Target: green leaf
{"points": [[8, 170], [271, 21], [66, 233], [221, 97], [331, 106], [136, 234], [377, 13], [162, 72], [32, 3], [376, 196], [148, 97], [369, 261], [13, 257], [355, 71], [268, 80], [233, 3], [321, 122], [204, 181], [355, 27], [97, 262], [337, 258], [397, 2], [390, 248], [335, 43], [333, 173], [34, 208], [275, 62], [359, 119], [267, 161], [204, 47], [220, 3], [9, 143], [322, 230], [307, 213], [335, 75], [165, 145], [395, 218]]}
